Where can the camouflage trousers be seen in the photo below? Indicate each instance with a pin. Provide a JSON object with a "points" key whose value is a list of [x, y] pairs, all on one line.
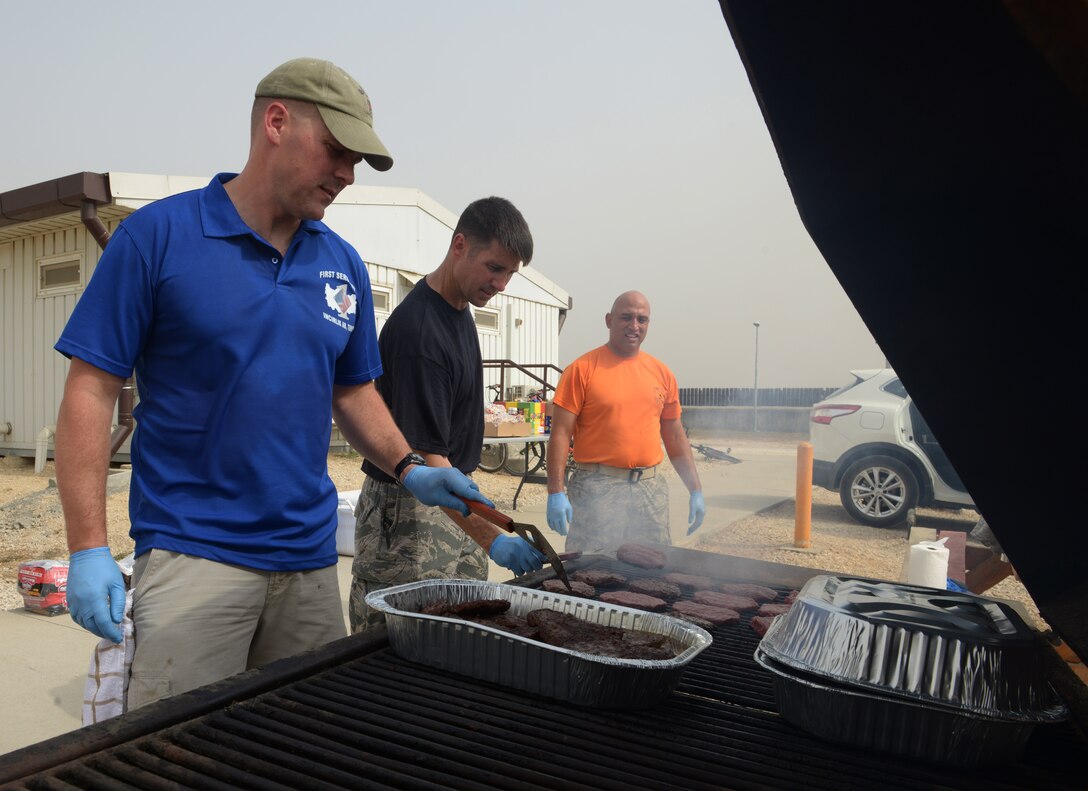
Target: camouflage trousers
{"points": [[398, 540], [611, 511]]}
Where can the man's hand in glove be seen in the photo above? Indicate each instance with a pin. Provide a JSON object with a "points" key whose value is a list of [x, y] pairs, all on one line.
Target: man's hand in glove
{"points": [[696, 511], [96, 592], [516, 554], [442, 486], [559, 513]]}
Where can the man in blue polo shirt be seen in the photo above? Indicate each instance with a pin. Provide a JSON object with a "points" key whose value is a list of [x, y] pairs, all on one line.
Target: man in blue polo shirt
{"points": [[250, 327]]}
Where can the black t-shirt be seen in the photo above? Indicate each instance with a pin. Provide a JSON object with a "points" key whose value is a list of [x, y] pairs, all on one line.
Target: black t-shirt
{"points": [[432, 378]]}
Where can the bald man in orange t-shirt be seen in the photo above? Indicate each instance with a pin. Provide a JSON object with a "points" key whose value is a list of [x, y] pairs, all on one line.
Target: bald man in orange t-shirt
{"points": [[620, 405]]}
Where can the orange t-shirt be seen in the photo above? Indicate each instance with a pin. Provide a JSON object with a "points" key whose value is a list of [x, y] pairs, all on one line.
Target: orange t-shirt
{"points": [[620, 403]]}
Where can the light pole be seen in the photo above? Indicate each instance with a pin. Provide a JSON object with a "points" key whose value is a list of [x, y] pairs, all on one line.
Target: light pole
{"points": [[755, 384]]}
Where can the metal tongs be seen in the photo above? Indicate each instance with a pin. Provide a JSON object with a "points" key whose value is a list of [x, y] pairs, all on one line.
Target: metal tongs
{"points": [[530, 533]]}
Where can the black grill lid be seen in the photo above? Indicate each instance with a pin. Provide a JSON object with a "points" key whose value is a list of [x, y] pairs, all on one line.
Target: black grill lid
{"points": [[936, 154]]}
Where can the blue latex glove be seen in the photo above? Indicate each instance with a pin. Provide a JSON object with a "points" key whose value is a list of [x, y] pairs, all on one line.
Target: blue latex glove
{"points": [[559, 513], [96, 592], [438, 485], [696, 511], [516, 554]]}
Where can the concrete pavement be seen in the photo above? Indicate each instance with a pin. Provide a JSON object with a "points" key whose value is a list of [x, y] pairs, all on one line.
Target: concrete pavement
{"points": [[46, 658]]}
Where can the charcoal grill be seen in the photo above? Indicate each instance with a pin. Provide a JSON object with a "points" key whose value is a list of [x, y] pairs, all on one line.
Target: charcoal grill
{"points": [[353, 715]]}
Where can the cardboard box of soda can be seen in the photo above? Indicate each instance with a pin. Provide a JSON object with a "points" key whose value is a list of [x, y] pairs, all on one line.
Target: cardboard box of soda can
{"points": [[534, 413], [525, 418], [507, 429], [44, 586]]}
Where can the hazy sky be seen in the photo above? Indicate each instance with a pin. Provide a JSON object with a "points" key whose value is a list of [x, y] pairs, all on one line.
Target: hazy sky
{"points": [[625, 130]]}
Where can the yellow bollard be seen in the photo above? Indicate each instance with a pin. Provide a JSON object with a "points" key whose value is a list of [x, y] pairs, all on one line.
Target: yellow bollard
{"points": [[802, 528]]}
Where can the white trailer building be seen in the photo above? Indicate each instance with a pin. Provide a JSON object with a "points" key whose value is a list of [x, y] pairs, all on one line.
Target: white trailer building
{"points": [[50, 236]]}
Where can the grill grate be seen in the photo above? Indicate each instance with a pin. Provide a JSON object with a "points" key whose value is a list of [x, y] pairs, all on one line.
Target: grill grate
{"points": [[379, 722]]}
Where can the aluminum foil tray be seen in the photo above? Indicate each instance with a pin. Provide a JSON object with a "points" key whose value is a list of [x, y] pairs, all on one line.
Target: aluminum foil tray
{"points": [[942, 647], [500, 657], [867, 720]]}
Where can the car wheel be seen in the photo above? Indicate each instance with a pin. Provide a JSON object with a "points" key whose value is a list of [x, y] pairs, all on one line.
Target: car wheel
{"points": [[879, 491]]}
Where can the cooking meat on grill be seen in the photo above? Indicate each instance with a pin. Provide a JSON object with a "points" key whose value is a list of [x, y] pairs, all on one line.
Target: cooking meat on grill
{"points": [[628, 650], [646, 645], [639, 601], [568, 631], [653, 586], [557, 628], [508, 623], [727, 600], [641, 555], [436, 607], [791, 596], [757, 592], [598, 577], [773, 608], [716, 615], [468, 609], [577, 588], [689, 582], [702, 623], [479, 607], [761, 623]]}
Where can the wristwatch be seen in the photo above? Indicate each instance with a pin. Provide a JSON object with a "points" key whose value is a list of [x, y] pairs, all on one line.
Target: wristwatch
{"points": [[411, 458]]}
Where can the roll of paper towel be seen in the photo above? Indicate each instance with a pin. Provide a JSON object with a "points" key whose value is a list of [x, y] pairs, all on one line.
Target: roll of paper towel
{"points": [[927, 564]]}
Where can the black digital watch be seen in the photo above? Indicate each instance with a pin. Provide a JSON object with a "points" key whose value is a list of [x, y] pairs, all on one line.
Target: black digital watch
{"points": [[411, 458]]}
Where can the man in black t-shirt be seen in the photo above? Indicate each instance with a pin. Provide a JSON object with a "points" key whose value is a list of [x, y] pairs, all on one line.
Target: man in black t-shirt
{"points": [[433, 385]]}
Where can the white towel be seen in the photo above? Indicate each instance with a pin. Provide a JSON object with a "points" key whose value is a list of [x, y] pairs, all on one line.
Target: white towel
{"points": [[345, 522], [106, 692]]}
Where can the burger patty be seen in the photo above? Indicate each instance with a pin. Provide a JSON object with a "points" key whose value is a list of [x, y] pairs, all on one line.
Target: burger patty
{"points": [[639, 601], [761, 623], [651, 586], [577, 588], [727, 600], [758, 592], [641, 555], [702, 623], [773, 608], [599, 578], [689, 582], [568, 631], [468, 609], [718, 616]]}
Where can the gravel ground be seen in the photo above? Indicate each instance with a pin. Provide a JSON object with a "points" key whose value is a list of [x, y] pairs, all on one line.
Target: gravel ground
{"points": [[32, 528]]}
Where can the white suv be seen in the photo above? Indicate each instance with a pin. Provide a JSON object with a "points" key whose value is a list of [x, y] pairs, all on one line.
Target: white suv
{"points": [[872, 445]]}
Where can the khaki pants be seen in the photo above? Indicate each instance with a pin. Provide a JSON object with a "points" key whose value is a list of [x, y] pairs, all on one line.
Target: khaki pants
{"points": [[197, 621], [608, 512]]}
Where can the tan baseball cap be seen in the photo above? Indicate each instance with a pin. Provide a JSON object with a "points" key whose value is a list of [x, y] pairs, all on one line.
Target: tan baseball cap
{"points": [[343, 104]]}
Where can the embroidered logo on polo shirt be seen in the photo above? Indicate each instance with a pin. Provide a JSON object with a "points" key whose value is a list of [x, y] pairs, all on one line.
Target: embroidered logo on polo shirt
{"points": [[340, 298]]}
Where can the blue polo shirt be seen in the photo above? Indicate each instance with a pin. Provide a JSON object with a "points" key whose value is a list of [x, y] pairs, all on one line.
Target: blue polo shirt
{"points": [[235, 349]]}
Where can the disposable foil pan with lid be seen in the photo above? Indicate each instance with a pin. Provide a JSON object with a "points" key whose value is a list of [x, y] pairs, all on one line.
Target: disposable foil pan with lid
{"points": [[501, 657], [942, 647], [883, 723]]}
